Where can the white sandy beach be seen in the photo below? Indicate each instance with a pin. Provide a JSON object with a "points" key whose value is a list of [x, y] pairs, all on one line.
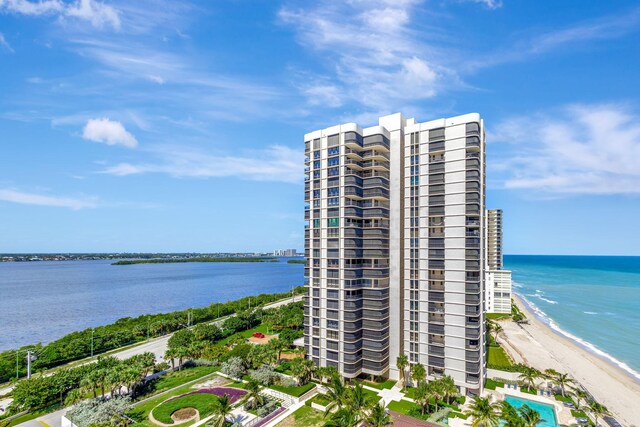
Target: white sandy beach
{"points": [[539, 346]]}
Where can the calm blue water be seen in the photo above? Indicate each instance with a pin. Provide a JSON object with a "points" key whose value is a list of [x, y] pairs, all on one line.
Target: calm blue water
{"points": [[547, 413], [593, 300], [41, 301]]}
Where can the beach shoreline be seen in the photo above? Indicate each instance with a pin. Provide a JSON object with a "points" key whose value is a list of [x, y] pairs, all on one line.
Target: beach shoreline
{"points": [[539, 345]]}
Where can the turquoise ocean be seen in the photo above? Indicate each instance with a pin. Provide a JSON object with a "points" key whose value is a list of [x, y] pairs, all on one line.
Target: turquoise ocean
{"points": [[592, 300]]}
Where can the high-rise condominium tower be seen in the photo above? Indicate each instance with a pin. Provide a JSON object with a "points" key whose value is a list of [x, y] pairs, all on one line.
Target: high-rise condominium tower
{"points": [[497, 280], [494, 239], [395, 247]]}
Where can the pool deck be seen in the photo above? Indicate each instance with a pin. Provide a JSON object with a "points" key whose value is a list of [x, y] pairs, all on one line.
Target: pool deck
{"points": [[563, 414]]}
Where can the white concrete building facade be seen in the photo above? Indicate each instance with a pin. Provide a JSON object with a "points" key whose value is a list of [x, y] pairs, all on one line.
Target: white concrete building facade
{"points": [[395, 247]]}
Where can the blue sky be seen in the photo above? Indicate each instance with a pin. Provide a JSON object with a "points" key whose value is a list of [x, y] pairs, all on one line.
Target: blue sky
{"points": [[177, 126]]}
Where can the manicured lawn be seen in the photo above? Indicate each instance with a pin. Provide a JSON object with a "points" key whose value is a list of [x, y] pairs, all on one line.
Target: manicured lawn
{"points": [[491, 384], [498, 357], [320, 399], [495, 316], [201, 401], [562, 398], [140, 411], [176, 378], [410, 392], [293, 391], [380, 386], [303, 417], [246, 334], [403, 407], [371, 395]]}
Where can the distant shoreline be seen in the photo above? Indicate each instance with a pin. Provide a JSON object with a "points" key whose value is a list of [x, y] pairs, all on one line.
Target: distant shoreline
{"points": [[202, 259]]}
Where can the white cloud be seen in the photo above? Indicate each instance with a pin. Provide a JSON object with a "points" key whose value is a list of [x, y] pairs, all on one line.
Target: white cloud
{"points": [[378, 59], [32, 8], [109, 132], [97, 13], [490, 4], [276, 163], [582, 149], [15, 196], [571, 36], [5, 44]]}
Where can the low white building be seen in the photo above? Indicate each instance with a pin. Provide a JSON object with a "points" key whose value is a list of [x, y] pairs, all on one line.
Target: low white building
{"points": [[498, 291]]}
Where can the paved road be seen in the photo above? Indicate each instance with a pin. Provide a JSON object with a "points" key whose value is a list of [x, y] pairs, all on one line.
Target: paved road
{"points": [[157, 346]]}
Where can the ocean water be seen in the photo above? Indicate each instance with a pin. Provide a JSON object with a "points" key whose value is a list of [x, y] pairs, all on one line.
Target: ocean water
{"points": [[41, 301], [593, 300]]}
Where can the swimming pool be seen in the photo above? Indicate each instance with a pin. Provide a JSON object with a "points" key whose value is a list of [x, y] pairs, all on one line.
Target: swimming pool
{"points": [[547, 412]]}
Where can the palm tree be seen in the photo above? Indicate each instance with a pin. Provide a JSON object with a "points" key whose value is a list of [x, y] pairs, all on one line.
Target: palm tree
{"points": [[418, 373], [337, 393], [278, 345], [497, 328], [73, 397], [402, 362], [253, 389], [221, 407], [343, 417], [90, 383], [438, 391], [302, 369], [598, 410], [562, 380], [422, 396], [130, 377], [580, 395], [483, 413], [326, 372], [378, 416], [529, 376], [449, 388], [522, 417], [530, 416], [171, 355], [357, 399]]}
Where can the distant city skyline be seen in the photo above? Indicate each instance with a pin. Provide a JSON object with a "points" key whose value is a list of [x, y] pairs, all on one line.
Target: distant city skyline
{"points": [[159, 126]]}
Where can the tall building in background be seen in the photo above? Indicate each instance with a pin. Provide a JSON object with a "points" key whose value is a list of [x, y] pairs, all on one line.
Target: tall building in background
{"points": [[494, 239], [395, 247], [498, 280]]}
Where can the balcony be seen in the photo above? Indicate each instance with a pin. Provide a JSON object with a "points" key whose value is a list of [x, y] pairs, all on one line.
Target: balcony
{"points": [[436, 146], [436, 329], [436, 168], [376, 165], [353, 154], [375, 213], [380, 142]]}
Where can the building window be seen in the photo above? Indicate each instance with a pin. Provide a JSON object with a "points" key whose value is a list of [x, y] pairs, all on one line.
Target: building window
{"points": [[334, 151], [334, 161], [316, 164], [334, 201], [333, 222]]}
